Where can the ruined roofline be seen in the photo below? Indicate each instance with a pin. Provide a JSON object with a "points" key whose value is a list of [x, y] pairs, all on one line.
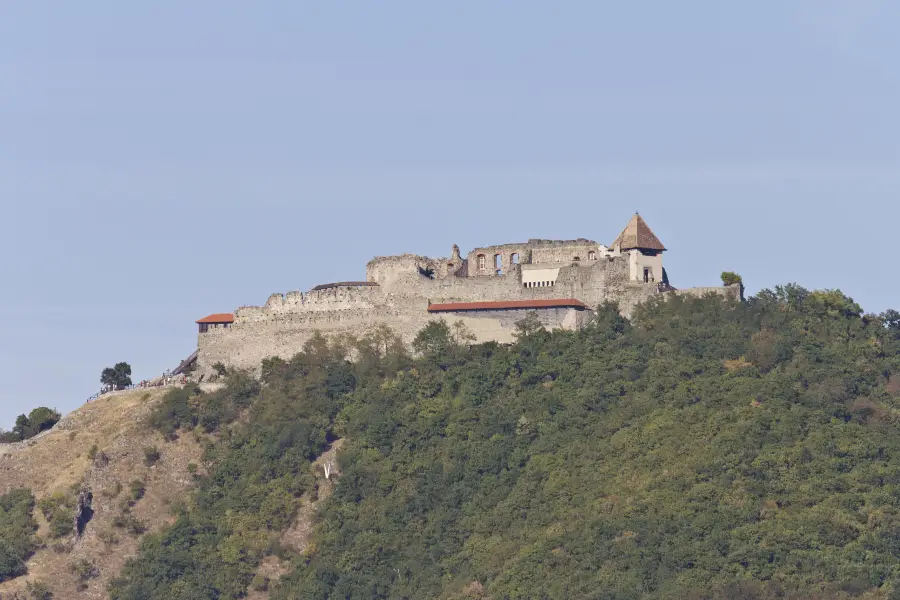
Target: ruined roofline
{"points": [[338, 284], [406, 255], [532, 243], [538, 242]]}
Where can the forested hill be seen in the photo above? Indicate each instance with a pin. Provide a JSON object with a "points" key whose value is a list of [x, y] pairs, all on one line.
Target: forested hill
{"points": [[701, 450]]}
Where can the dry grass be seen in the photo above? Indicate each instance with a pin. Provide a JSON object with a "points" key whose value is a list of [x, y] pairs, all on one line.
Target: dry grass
{"points": [[738, 363], [58, 460]]}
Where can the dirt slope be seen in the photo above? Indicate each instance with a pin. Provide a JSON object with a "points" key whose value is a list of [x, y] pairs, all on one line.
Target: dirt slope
{"points": [[57, 462]]}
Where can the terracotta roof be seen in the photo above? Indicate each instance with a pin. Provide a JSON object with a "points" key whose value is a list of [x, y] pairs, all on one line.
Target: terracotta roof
{"points": [[507, 304], [218, 318], [637, 235]]}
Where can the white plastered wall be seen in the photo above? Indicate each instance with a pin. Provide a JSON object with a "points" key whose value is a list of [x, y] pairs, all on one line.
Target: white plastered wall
{"points": [[638, 262], [539, 275]]}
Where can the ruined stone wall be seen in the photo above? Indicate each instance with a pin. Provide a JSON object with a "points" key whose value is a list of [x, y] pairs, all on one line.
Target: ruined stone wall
{"points": [[729, 292], [400, 301], [507, 253], [569, 252]]}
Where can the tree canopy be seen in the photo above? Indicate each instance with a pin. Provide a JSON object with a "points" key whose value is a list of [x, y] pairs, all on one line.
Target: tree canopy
{"points": [[27, 426], [117, 377], [703, 449]]}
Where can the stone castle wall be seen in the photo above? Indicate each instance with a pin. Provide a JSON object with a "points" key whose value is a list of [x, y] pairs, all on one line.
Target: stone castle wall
{"points": [[400, 289]]}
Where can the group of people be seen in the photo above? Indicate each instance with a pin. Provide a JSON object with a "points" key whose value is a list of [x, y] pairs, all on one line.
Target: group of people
{"points": [[163, 380]]}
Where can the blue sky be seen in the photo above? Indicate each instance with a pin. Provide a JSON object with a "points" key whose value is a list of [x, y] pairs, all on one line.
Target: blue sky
{"points": [[160, 161]]}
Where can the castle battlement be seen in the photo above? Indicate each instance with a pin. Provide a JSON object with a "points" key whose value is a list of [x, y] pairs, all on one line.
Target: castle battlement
{"points": [[487, 289]]}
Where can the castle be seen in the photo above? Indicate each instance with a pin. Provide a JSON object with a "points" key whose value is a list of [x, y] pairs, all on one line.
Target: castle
{"points": [[489, 290]]}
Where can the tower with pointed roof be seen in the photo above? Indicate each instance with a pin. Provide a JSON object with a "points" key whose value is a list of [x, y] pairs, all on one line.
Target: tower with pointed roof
{"points": [[637, 235], [644, 250]]}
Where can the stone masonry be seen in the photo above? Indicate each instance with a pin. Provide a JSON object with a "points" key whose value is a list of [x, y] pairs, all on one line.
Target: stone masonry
{"points": [[398, 291]]}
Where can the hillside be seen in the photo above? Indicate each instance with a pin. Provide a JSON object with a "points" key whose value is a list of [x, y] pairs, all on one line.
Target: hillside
{"points": [[704, 449], [100, 447]]}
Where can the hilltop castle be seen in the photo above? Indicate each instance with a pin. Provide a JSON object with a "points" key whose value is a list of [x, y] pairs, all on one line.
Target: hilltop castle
{"points": [[489, 290]]}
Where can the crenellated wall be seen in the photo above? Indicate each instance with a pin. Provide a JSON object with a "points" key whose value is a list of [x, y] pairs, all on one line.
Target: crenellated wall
{"points": [[399, 289]]}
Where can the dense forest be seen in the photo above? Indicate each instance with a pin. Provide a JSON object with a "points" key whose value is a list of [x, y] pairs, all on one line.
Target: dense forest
{"points": [[703, 449]]}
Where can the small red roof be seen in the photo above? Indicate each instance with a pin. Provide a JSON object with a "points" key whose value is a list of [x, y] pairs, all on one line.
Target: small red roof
{"points": [[506, 304], [218, 318]]}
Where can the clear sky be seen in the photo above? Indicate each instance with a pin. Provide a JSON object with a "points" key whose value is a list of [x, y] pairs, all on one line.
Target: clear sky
{"points": [[163, 160]]}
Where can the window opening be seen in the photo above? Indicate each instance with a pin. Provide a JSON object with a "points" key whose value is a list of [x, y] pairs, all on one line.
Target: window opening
{"points": [[482, 262], [592, 255], [515, 258], [646, 275]]}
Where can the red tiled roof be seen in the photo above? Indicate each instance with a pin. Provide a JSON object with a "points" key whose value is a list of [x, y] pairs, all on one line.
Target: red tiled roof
{"points": [[218, 318], [506, 304]]}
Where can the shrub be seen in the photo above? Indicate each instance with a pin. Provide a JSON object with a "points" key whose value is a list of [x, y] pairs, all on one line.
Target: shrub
{"points": [[108, 538], [151, 455], [58, 509], [114, 491], [137, 490], [731, 278], [84, 570], [127, 521], [259, 583], [173, 413], [38, 590], [17, 527]]}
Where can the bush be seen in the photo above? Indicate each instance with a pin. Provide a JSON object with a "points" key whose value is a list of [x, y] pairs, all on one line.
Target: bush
{"points": [[59, 511], [38, 590], [731, 278], [127, 521], [137, 490], [151, 455], [17, 527], [173, 413], [84, 570]]}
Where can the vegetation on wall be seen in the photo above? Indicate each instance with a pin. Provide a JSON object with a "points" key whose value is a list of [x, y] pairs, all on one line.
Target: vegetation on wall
{"points": [[705, 449], [28, 426], [731, 278]]}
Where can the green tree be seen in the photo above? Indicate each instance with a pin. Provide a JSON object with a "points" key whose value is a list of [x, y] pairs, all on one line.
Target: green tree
{"points": [[435, 341], [731, 278], [117, 377]]}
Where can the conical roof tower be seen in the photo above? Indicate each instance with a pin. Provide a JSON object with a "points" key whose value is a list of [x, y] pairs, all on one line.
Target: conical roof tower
{"points": [[637, 235]]}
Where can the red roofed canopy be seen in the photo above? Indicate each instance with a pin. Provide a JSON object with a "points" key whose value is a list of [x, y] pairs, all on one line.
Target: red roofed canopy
{"points": [[506, 305], [218, 318]]}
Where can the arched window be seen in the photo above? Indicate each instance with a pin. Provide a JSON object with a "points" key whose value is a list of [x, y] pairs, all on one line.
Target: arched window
{"points": [[592, 255], [482, 262]]}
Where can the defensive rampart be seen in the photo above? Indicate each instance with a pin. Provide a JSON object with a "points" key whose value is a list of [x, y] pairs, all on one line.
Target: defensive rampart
{"points": [[398, 290]]}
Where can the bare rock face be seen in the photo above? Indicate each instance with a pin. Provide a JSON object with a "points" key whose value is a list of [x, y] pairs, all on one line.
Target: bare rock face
{"points": [[83, 511]]}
